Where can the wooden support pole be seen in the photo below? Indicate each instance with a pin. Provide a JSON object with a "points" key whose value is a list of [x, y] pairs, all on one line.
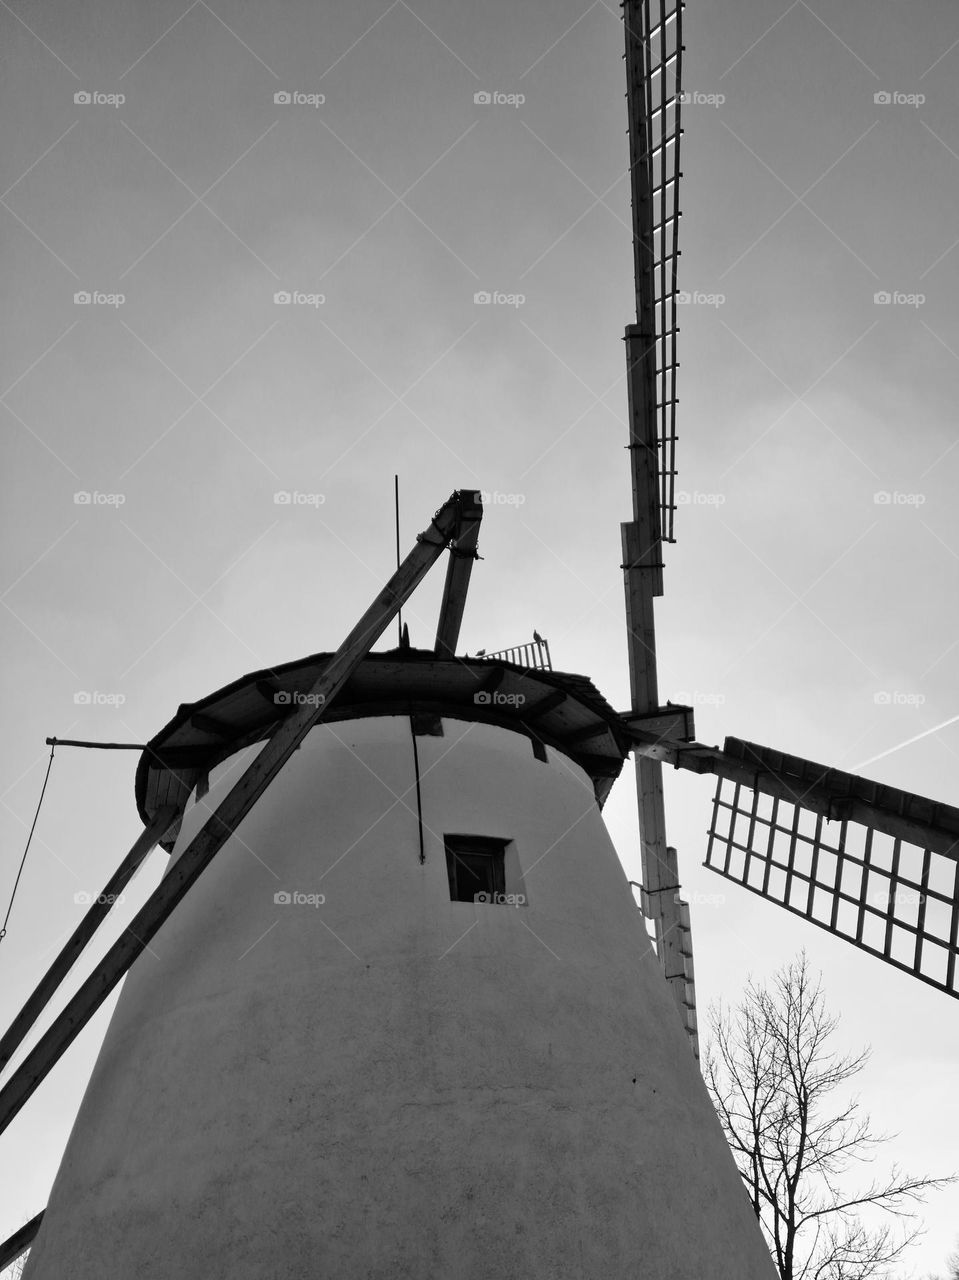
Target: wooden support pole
{"points": [[458, 571], [84, 931], [12, 1248], [234, 807]]}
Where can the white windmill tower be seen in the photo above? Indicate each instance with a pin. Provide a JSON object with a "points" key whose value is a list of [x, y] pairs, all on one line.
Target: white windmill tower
{"points": [[407, 1021]]}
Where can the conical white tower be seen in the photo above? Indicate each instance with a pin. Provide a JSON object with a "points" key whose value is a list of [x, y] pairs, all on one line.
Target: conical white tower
{"points": [[329, 1064]]}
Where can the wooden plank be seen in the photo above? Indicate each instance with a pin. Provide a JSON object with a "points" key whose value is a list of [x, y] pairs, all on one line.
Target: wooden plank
{"points": [[230, 813], [99, 910], [458, 571]]}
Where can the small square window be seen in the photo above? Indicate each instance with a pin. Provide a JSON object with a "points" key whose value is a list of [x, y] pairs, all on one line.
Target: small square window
{"points": [[476, 866]]}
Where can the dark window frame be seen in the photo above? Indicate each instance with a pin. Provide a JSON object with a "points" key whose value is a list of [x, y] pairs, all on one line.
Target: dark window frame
{"points": [[465, 869]]}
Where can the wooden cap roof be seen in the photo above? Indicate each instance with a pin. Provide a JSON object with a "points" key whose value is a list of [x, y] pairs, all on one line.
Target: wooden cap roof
{"points": [[561, 710]]}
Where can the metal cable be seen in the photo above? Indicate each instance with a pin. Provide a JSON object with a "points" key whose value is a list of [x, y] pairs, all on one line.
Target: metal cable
{"points": [[16, 883]]}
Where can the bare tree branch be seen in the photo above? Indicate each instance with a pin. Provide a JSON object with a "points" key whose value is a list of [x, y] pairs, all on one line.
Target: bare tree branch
{"points": [[771, 1073]]}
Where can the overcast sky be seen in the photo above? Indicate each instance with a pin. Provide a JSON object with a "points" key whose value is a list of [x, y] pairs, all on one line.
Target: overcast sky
{"points": [[800, 612]]}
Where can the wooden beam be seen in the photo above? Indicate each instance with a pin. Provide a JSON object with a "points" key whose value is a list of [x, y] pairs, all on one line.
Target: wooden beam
{"points": [[210, 724], [99, 910], [268, 691], [666, 722], [545, 705], [462, 555], [593, 730], [12, 1247], [492, 680], [831, 792], [231, 811]]}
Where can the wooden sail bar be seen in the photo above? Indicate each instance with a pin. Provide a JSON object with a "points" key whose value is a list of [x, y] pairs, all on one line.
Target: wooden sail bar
{"points": [[836, 795]]}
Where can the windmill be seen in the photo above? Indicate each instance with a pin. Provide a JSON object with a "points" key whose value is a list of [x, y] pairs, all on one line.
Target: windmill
{"points": [[248, 754]]}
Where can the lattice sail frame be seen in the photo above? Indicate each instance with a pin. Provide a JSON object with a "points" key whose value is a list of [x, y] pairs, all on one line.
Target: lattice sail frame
{"points": [[887, 896], [654, 53]]}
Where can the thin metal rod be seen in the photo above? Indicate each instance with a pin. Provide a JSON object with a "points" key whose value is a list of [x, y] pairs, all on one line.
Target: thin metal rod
{"points": [[100, 746], [23, 860], [396, 509]]}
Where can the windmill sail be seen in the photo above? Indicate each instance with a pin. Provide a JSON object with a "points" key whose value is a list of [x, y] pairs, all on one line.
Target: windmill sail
{"points": [[654, 52], [870, 864], [654, 49]]}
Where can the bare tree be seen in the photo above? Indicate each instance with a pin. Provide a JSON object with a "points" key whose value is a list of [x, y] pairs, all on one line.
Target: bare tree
{"points": [[771, 1074]]}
